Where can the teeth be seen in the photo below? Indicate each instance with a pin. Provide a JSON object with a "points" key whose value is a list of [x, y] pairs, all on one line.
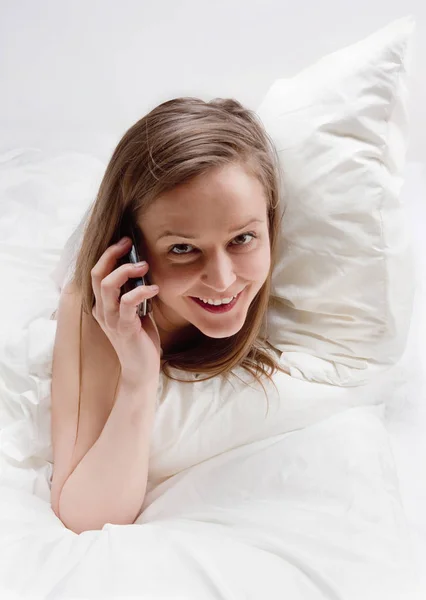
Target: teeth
{"points": [[217, 302]]}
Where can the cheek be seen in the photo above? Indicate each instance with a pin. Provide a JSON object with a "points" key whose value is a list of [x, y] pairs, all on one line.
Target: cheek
{"points": [[259, 264], [173, 279]]}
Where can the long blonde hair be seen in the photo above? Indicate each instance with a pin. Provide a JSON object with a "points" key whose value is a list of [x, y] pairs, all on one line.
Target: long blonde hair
{"points": [[178, 140]]}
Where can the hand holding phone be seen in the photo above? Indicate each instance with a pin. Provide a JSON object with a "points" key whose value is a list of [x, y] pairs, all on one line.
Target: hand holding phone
{"points": [[136, 341]]}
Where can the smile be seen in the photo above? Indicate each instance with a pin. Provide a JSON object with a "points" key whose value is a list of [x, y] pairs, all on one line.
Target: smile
{"points": [[220, 308]]}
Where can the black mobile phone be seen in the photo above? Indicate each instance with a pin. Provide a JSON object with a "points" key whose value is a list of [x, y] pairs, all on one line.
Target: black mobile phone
{"points": [[127, 229]]}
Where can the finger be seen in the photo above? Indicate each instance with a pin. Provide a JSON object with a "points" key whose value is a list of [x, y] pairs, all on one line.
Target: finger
{"points": [[104, 266], [129, 302], [112, 284]]}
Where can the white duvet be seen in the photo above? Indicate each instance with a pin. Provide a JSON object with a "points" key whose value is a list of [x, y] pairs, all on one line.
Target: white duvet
{"points": [[301, 502]]}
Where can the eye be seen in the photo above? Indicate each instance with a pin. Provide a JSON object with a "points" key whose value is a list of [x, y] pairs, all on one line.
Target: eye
{"points": [[251, 234]]}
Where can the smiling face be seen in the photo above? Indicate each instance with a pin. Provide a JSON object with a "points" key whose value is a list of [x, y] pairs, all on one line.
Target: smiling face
{"points": [[217, 245]]}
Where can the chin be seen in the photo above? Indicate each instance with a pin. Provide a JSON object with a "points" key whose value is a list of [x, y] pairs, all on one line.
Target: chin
{"points": [[220, 336], [219, 330]]}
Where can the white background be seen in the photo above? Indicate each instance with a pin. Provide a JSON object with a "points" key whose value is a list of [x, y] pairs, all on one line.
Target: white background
{"points": [[74, 69]]}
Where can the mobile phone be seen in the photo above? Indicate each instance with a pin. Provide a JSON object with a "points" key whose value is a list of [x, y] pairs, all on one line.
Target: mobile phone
{"points": [[132, 256]]}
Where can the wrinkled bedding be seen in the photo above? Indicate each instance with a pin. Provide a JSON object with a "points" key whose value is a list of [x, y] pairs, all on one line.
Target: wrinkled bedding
{"points": [[301, 502]]}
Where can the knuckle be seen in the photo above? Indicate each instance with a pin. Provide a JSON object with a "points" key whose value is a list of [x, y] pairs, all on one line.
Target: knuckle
{"points": [[95, 272], [126, 300], [105, 284]]}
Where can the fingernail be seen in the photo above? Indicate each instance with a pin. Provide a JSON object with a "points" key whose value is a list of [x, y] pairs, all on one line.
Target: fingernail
{"points": [[123, 241], [139, 264]]}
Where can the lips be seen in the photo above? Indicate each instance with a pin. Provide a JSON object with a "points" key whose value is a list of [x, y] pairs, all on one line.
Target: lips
{"points": [[220, 308]]}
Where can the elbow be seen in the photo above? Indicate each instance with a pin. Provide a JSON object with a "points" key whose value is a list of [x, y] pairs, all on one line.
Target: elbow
{"points": [[55, 505], [79, 516], [55, 508], [77, 520]]}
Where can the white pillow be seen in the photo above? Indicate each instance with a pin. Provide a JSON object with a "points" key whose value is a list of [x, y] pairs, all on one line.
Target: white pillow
{"points": [[343, 287]]}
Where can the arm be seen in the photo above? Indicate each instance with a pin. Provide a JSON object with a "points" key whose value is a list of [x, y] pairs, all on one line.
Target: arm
{"points": [[109, 483]]}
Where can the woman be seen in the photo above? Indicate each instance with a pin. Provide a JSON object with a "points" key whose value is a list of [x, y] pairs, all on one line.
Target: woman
{"points": [[200, 184]]}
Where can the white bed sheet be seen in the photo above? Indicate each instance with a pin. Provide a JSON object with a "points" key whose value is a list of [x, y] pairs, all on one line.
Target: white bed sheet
{"points": [[321, 502], [405, 416]]}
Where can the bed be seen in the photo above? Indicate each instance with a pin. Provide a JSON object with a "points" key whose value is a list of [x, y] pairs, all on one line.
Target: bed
{"points": [[297, 503], [320, 498]]}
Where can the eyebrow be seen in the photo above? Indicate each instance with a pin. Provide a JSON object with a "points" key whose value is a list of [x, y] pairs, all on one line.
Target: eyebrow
{"points": [[192, 237]]}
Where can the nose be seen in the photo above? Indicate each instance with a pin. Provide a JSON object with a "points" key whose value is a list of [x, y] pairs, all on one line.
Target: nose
{"points": [[218, 272]]}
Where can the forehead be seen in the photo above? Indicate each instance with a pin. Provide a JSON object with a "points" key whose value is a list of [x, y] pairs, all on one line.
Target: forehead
{"points": [[219, 199]]}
